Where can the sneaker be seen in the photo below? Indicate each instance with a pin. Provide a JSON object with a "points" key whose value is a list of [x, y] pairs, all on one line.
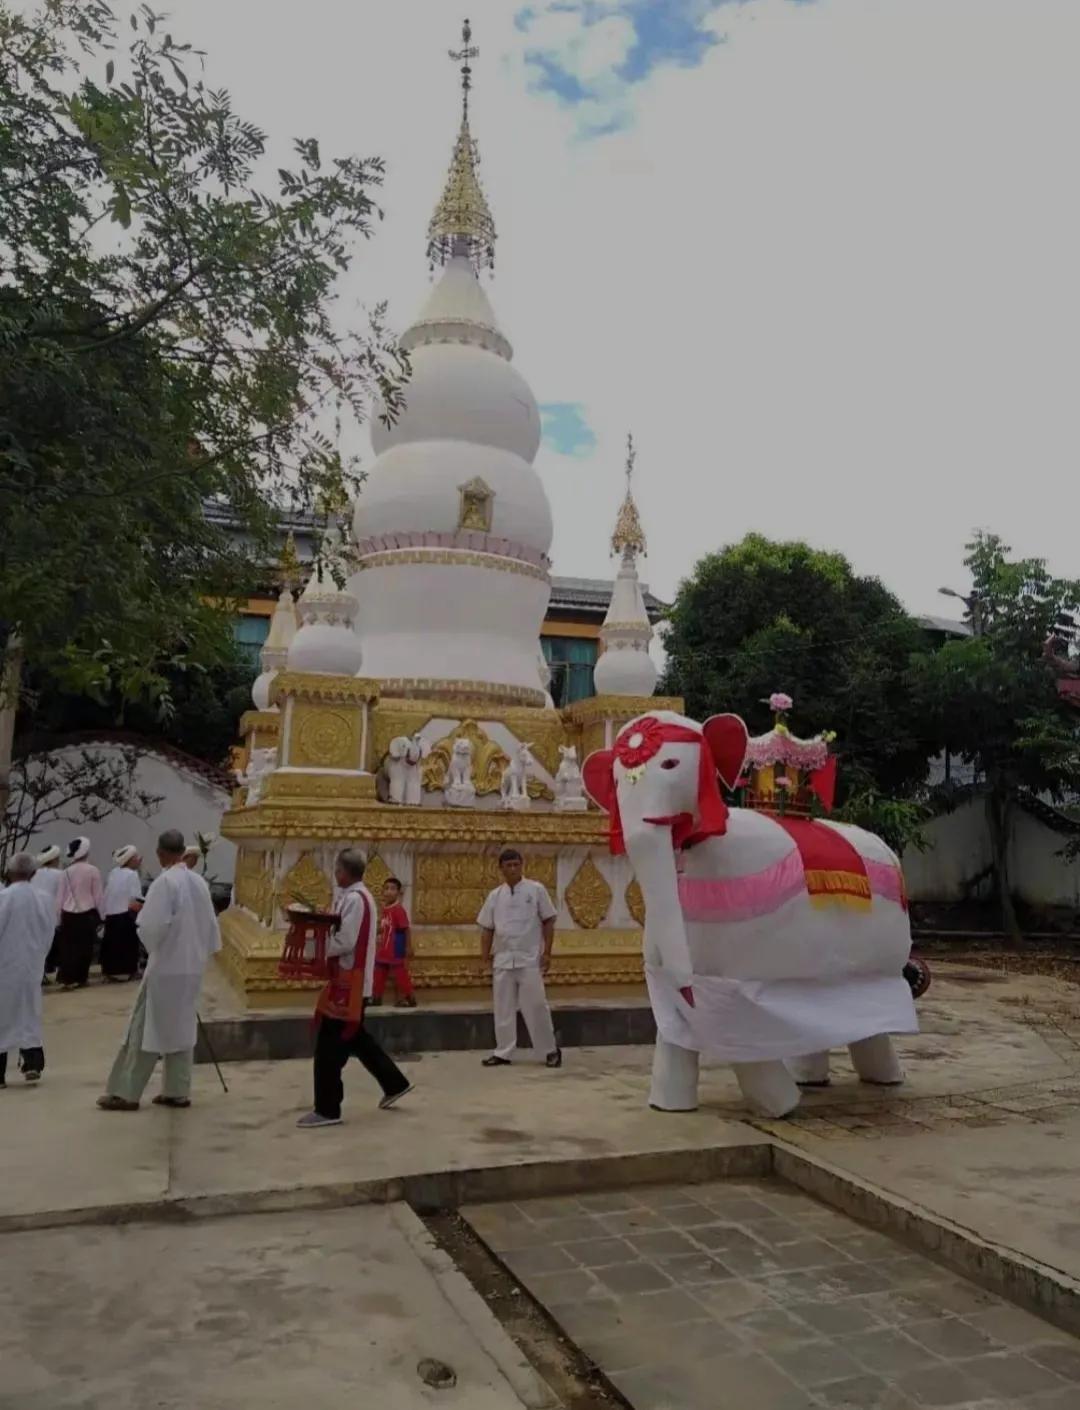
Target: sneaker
{"points": [[178, 1102], [313, 1119], [494, 1061], [394, 1098], [32, 1076], [554, 1059]]}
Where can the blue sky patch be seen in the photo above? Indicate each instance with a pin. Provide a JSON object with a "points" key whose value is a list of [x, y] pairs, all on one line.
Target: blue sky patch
{"points": [[565, 428]]}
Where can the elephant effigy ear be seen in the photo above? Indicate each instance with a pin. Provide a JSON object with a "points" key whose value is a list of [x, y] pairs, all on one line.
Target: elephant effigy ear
{"points": [[598, 773], [728, 739]]}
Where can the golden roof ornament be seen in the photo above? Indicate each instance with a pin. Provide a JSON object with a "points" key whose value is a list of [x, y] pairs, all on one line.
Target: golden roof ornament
{"points": [[462, 223], [629, 537], [289, 572]]}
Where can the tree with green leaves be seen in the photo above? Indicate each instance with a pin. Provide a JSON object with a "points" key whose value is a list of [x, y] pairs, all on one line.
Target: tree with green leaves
{"points": [[168, 337], [993, 698], [761, 616]]}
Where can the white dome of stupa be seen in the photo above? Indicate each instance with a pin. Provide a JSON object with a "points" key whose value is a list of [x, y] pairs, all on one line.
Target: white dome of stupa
{"points": [[326, 641], [453, 526]]}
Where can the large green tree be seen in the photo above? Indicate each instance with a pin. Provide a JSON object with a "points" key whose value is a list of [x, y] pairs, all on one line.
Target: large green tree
{"points": [[993, 698], [168, 336], [761, 616]]}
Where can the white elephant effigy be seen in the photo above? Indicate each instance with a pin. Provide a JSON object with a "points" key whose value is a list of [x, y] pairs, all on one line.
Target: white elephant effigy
{"points": [[769, 938]]}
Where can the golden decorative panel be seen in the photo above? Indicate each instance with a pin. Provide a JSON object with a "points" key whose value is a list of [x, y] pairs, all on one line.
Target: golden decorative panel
{"points": [[477, 502], [635, 901], [324, 739], [253, 884], [305, 884], [432, 687], [621, 708], [489, 760], [450, 887], [281, 785], [309, 820], [375, 874], [588, 897], [454, 558], [311, 685]]}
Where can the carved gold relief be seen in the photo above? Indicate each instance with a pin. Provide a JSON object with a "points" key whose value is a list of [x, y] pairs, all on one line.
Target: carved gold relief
{"points": [[489, 760], [282, 784], [375, 875], [313, 685], [253, 885], [325, 739], [305, 884], [588, 897], [477, 502], [450, 887], [635, 901], [308, 819]]}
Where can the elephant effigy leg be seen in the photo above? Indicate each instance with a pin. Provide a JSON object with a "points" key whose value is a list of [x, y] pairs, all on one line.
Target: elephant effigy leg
{"points": [[768, 1087], [674, 1078], [875, 1060], [811, 1070]]}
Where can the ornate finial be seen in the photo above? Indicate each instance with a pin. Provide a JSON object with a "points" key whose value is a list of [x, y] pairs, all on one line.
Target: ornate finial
{"points": [[629, 537], [289, 571], [462, 223], [464, 54]]}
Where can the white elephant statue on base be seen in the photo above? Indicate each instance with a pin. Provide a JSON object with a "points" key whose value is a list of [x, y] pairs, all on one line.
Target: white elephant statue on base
{"points": [[403, 761], [768, 939]]}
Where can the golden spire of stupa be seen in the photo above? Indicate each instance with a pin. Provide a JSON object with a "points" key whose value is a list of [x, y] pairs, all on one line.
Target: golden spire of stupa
{"points": [[289, 570], [629, 537], [462, 222]]}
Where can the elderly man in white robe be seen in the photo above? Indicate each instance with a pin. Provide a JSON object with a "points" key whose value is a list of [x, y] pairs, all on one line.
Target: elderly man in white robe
{"points": [[179, 931], [48, 879], [27, 921]]}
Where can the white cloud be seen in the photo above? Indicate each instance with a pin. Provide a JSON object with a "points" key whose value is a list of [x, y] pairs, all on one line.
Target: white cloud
{"points": [[829, 277]]}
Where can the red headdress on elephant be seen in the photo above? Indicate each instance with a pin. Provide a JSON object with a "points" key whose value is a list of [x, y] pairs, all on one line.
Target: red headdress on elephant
{"points": [[722, 741]]}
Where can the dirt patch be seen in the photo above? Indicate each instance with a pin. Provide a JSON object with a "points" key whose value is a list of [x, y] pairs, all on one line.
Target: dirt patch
{"points": [[566, 1369]]}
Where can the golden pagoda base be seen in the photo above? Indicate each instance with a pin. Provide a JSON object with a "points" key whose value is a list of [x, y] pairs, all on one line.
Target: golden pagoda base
{"points": [[446, 857]]}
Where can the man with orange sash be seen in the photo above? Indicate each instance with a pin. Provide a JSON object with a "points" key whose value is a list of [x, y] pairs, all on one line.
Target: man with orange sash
{"points": [[339, 1012]]}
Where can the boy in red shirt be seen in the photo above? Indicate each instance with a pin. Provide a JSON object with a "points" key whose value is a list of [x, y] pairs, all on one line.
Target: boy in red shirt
{"points": [[394, 949]]}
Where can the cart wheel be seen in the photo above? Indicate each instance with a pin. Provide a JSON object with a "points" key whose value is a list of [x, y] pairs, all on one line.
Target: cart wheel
{"points": [[917, 974]]}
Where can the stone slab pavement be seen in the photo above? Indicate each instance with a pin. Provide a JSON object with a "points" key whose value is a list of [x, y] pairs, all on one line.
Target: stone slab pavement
{"points": [[330, 1308], [749, 1295]]}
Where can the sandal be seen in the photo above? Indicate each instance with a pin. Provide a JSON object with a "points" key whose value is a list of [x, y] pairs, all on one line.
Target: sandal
{"points": [[494, 1061], [172, 1101], [108, 1103]]}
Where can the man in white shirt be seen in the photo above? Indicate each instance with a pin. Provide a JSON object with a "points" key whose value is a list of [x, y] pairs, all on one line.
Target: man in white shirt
{"points": [[517, 931], [123, 901], [27, 921], [179, 930], [339, 1011]]}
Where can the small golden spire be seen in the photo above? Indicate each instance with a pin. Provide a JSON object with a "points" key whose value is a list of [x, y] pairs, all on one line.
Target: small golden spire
{"points": [[629, 537], [462, 223], [289, 570]]}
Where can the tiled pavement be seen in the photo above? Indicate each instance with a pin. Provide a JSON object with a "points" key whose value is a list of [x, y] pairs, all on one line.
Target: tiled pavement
{"points": [[753, 1296]]}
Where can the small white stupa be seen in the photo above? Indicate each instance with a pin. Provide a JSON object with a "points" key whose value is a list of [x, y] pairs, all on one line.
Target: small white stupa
{"points": [[326, 642], [275, 649], [625, 666]]}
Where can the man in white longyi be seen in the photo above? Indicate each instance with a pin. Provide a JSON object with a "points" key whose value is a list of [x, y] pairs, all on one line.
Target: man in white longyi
{"points": [[179, 931], [517, 931]]}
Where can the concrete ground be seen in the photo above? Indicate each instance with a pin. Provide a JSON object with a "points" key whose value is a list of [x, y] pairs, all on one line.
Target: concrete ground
{"points": [[320, 1309], [748, 1295], [986, 1134]]}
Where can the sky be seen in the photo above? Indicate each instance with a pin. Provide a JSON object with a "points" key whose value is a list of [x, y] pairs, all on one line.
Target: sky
{"points": [[819, 256]]}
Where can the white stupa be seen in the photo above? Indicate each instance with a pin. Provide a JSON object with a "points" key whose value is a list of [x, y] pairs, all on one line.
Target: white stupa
{"points": [[275, 649], [453, 526], [326, 642], [625, 666]]}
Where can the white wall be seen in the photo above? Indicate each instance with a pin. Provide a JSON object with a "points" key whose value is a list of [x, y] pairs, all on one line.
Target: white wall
{"points": [[189, 802], [960, 848]]}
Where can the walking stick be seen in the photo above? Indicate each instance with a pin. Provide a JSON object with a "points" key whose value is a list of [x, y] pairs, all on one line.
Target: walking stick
{"points": [[210, 1050]]}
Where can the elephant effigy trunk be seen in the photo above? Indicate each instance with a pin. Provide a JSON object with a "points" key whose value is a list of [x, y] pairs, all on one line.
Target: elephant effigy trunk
{"points": [[652, 855]]}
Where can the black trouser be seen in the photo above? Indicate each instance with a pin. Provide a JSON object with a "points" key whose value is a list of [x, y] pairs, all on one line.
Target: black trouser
{"points": [[120, 947], [33, 1060], [332, 1052], [75, 945]]}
